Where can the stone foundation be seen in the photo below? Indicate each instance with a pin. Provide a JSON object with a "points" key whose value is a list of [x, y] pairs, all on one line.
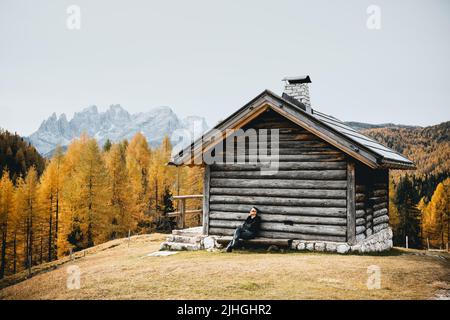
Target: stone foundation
{"points": [[378, 242]]}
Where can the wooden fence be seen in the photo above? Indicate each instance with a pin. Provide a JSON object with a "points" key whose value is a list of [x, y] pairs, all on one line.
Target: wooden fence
{"points": [[183, 211]]}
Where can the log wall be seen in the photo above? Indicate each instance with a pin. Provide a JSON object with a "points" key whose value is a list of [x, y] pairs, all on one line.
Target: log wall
{"points": [[372, 201], [306, 199]]}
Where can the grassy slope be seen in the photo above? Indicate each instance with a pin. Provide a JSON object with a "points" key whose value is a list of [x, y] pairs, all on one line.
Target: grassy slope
{"points": [[119, 271]]}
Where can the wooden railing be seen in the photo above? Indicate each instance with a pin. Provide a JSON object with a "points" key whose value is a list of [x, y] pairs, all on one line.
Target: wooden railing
{"points": [[182, 211]]}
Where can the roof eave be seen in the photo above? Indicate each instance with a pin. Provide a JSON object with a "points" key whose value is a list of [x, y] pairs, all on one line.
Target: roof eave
{"points": [[397, 165]]}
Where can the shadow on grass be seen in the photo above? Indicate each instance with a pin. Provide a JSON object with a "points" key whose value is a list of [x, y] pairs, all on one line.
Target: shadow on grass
{"points": [[261, 250]]}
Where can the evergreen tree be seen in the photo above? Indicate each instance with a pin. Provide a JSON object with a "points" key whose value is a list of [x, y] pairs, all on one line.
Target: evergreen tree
{"points": [[406, 199], [107, 145]]}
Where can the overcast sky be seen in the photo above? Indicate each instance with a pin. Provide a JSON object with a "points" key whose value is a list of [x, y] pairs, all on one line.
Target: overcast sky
{"points": [[210, 57]]}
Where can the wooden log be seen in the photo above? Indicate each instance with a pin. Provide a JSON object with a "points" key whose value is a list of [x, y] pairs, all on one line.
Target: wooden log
{"points": [[360, 229], [282, 166], [351, 210], [380, 227], [360, 237], [309, 211], [360, 197], [259, 241], [380, 206], [241, 216], [360, 213], [360, 221], [276, 201], [300, 193], [381, 219], [377, 200], [360, 206], [297, 137], [281, 152], [379, 192], [368, 224], [206, 193], [368, 232], [298, 174], [278, 183], [303, 157], [281, 227], [287, 144], [380, 212], [281, 235]]}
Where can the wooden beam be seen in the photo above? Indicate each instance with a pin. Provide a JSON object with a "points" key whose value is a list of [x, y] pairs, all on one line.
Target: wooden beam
{"points": [[351, 211], [206, 183], [258, 241], [182, 216]]}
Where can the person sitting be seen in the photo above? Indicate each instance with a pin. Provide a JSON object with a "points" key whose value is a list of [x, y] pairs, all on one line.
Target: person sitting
{"points": [[247, 231]]}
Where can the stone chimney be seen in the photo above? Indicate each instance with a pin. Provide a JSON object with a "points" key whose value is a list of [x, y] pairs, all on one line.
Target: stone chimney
{"points": [[297, 88]]}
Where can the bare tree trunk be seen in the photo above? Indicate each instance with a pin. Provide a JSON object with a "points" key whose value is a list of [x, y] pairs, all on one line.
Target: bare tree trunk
{"points": [[41, 256], [50, 225], [15, 253], [56, 224], [3, 260]]}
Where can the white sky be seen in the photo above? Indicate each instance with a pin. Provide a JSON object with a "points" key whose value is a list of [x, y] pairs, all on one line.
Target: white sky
{"points": [[210, 57]]}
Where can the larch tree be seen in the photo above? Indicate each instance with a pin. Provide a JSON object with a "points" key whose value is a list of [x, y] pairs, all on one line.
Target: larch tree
{"points": [[85, 199], [440, 210], [27, 209], [6, 212], [119, 184], [161, 175], [49, 196], [138, 155]]}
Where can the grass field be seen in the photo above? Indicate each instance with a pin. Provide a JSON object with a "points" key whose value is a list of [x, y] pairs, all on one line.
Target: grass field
{"points": [[122, 270]]}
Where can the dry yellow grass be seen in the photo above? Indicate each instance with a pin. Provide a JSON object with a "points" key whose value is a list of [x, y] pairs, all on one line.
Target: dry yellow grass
{"points": [[125, 272]]}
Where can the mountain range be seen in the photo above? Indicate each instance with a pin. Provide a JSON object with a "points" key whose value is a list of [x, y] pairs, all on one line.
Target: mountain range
{"points": [[115, 124]]}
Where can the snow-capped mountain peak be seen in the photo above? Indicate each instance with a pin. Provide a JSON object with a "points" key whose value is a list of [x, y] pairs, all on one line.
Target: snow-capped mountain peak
{"points": [[114, 124]]}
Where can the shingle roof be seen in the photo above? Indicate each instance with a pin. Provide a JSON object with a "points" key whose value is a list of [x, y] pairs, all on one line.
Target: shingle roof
{"points": [[350, 141], [376, 147]]}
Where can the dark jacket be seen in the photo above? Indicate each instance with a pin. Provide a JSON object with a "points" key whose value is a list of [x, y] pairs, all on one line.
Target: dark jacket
{"points": [[252, 224]]}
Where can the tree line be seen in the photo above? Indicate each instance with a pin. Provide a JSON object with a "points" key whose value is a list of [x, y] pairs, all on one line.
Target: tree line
{"points": [[86, 196], [419, 199], [420, 209], [18, 155]]}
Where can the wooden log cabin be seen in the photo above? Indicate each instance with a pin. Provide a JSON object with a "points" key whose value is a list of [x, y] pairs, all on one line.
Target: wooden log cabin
{"points": [[331, 184]]}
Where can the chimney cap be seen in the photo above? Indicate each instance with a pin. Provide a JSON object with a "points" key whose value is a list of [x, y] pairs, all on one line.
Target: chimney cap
{"points": [[298, 79]]}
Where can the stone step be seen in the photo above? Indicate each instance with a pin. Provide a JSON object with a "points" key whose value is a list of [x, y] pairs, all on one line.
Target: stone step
{"points": [[194, 230], [186, 233], [183, 239], [178, 246]]}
